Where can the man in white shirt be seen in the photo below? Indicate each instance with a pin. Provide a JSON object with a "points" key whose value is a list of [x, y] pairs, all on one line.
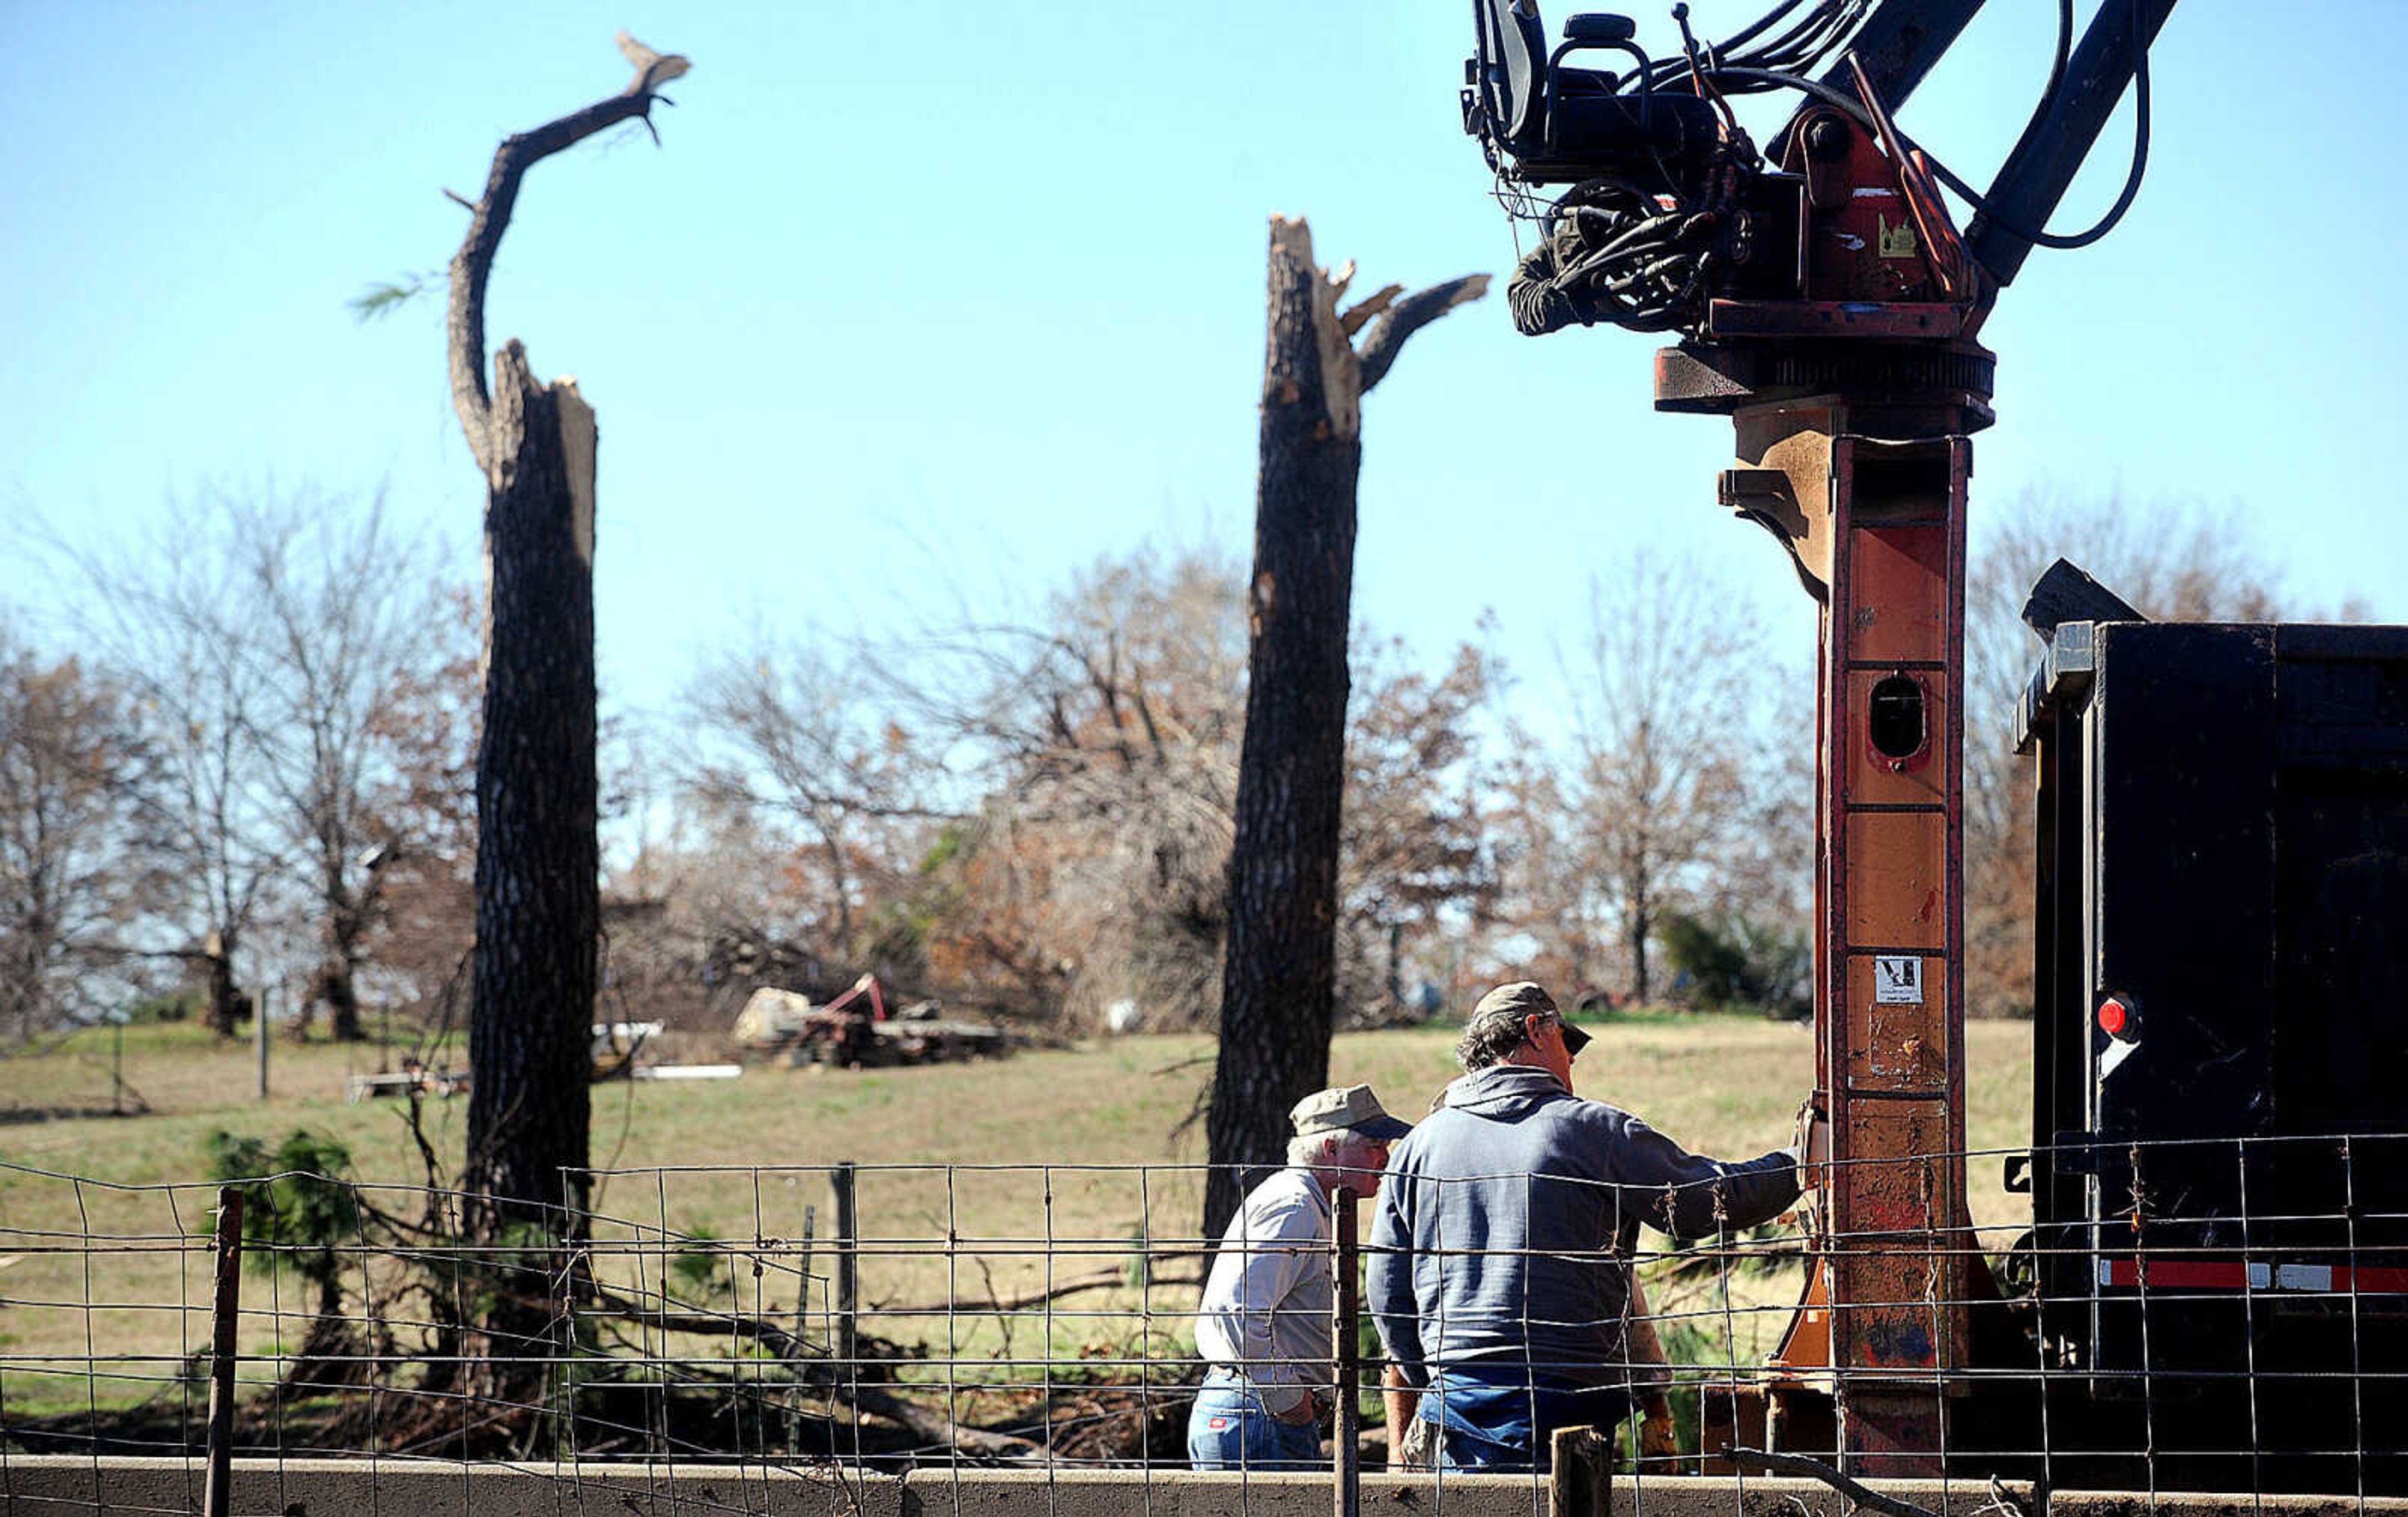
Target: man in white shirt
{"points": [[1264, 1321]]}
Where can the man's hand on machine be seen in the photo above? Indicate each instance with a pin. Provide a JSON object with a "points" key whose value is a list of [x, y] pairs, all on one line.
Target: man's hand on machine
{"points": [[1813, 1147]]}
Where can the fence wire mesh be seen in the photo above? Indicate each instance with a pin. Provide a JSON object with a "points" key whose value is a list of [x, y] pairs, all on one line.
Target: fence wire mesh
{"points": [[2224, 1314]]}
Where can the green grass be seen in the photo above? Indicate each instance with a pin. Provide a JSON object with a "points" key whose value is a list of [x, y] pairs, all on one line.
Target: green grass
{"points": [[1725, 1085]]}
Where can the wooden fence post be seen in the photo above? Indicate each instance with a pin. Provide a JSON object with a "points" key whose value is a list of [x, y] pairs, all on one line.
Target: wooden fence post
{"points": [[216, 1493]]}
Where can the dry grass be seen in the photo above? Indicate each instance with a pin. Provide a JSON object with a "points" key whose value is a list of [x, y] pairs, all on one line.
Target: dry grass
{"points": [[1721, 1085]]}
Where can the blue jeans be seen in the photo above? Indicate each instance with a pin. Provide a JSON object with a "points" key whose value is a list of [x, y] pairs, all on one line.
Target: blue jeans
{"points": [[1507, 1428], [1229, 1429]]}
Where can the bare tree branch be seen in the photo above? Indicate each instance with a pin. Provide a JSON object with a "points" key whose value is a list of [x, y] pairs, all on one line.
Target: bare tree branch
{"points": [[1856, 1491], [472, 266], [1355, 317], [1109, 1279], [1406, 317]]}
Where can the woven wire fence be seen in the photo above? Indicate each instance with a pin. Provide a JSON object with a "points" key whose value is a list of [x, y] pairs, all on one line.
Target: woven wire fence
{"points": [[2225, 1314]]}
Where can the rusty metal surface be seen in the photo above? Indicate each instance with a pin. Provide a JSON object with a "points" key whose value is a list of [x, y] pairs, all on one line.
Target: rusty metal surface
{"points": [[1720, 379], [1788, 454], [1890, 992], [1864, 244], [1878, 529], [1819, 318]]}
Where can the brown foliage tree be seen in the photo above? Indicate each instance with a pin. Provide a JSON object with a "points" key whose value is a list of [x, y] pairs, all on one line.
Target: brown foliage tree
{"points": [[1102, 735], [2180, 563], [72, 876], [1098, 740], [1417, 873], [423, 923]]}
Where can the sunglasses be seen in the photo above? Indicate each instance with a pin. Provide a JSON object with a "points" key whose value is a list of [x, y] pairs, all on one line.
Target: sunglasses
{"points": [[1575, 1038]]}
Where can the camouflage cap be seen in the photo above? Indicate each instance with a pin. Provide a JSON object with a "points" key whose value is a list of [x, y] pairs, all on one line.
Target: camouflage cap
{"points": [[1511, 1003]]}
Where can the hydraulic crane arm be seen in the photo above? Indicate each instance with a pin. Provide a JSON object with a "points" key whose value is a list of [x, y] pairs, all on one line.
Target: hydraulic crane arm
{"points": [[2036, 174], [1670, 210], [1900, 41], [1824, 300], [1896, 45]]}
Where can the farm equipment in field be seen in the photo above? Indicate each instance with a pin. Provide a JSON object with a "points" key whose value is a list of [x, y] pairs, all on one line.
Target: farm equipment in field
{"points": [[621, 1051], [859, 1029]]}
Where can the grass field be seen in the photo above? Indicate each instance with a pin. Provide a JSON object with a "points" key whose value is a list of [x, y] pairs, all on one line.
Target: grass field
{"points": [[1043, 1165]]}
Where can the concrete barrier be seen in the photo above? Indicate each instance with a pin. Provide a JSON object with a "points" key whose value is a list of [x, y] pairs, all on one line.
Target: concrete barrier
{"points": [[53, 1486]]}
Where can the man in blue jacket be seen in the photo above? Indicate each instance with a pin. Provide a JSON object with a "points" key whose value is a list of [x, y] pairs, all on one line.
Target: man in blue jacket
{"points": [[1500, 1250]]}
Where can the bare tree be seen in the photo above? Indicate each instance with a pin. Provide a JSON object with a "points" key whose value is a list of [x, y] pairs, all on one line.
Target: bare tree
{"points": [[1279, 982], [1663, 697], [788, 732], [72, 874], [357, 625], [1762, 883], [537, 853], [171, 619], [1417, 867], [271, 645]]}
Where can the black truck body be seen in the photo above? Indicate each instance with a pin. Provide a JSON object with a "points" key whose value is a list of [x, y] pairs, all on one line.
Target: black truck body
{"points": [[2220, 1174]]}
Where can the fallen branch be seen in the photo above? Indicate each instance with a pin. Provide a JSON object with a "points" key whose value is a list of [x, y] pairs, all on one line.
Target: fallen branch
{"points": [[1099, 1280], [941, 1430], [928, 1426], [1798, 1464]]}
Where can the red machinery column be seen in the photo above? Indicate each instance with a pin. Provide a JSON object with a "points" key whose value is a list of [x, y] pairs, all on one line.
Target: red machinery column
{"points": [[1891, 941], [1871, 502]]}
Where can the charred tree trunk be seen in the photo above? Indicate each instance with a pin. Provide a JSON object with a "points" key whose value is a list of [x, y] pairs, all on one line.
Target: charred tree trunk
{"points": [[338, 988], [1643, 926], [228, 1007], [350, 911], [337, 984], [538, 912], [1279, 979], [533, 981]]}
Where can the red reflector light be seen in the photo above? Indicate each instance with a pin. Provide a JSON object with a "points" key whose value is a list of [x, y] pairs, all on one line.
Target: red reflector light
{"points": [[2113, 1017]]}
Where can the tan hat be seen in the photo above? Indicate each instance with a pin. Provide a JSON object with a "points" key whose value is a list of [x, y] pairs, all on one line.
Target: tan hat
{"points": [[1521, 998], [1353, 1107]]}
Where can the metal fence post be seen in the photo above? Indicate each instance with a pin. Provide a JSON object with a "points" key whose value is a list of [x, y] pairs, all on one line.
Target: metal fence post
{"points": [[222, 1352], [848, 1273], [802, 1335], [1346, 1357]]}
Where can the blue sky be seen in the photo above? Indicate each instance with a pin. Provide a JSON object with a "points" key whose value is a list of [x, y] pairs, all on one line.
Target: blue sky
{"points": [[923, 305]]}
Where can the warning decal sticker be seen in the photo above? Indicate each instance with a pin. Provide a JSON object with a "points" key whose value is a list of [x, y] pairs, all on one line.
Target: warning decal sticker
{"points": [[1897, 980]]}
